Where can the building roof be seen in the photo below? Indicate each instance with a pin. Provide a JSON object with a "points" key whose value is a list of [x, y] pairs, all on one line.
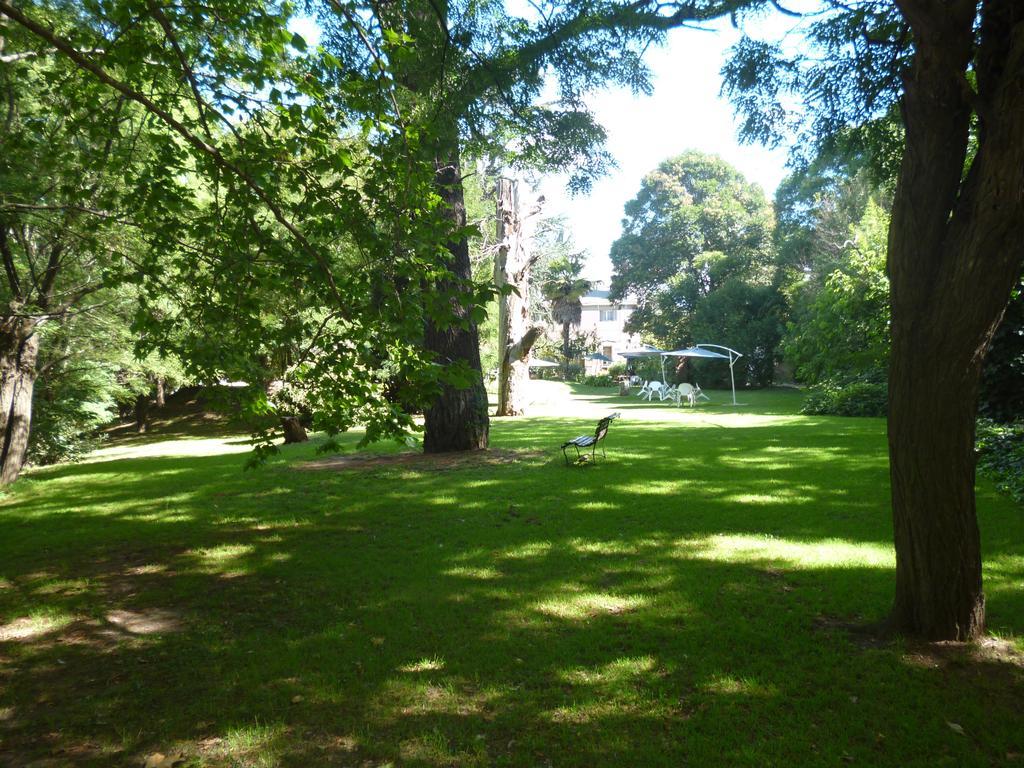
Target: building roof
{"points": [[600, 298]]}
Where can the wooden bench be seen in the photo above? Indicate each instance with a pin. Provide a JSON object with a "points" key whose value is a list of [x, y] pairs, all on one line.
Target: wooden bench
{"points": [[589, 441]]}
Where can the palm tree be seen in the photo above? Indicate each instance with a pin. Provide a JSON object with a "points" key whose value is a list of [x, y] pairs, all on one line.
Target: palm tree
{"points": [[563, 288]]}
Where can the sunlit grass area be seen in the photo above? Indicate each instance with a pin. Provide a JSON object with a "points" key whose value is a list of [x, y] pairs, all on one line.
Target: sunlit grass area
{"points": [[688, 601]]}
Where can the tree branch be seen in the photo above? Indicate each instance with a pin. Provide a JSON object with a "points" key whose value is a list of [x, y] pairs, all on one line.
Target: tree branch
{"points": [[520, 350], [9, 268], [12, 58], [50, 274], [186, 68], [84, 63]]}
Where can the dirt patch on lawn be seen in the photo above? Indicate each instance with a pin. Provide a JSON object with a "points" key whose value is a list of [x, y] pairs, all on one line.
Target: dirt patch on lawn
{"points": [[951, 655], [988, 653], [429, 462]]}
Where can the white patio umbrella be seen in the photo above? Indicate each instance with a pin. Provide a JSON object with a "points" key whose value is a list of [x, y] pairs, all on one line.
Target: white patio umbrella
{"points": [[635, 354], [706, 351], [646, 351]]}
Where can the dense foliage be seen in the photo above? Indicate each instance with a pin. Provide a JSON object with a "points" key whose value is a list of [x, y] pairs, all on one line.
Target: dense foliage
{"points": [[298, 208], [1001, 455], [862, 396], [840, 326], [1002, 382]]}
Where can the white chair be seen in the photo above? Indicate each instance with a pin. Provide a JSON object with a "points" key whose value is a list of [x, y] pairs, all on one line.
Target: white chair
{"points": [[667, 393], [687, 391], [643, 389], [697, 394], [654, 388]]}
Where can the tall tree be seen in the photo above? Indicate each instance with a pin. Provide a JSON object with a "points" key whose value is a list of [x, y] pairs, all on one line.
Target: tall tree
{"points": [[955, 248], [514, 260]]}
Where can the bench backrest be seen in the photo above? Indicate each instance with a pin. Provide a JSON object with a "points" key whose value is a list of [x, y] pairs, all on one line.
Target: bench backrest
{"points": [[602, 426]]}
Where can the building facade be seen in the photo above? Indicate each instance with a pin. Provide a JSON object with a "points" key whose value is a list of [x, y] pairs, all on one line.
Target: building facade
{"points": [[606, 321]]}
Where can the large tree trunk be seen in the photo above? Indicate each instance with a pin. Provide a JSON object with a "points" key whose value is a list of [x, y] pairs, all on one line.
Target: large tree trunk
{"points": [[956, 245], [19, 352], [457, 419], [513, 261]]}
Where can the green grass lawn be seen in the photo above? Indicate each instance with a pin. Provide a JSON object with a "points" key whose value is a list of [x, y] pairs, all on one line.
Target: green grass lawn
{"points": [[685, 602]]}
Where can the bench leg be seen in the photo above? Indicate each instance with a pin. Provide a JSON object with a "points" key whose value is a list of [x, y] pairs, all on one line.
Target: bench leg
{"points": [[566, 453]]}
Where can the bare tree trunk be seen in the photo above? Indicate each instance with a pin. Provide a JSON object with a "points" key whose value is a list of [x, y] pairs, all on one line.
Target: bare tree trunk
{"points": [[457, 419], [18, 357], [513, 261], [956, 245]]}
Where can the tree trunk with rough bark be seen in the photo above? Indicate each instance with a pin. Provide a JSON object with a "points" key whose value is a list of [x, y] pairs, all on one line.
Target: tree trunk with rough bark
{"points": [[19, 352], [141, 413], [566, 349], [457, 419], [513, 261], [161, 392], [956, 246]]}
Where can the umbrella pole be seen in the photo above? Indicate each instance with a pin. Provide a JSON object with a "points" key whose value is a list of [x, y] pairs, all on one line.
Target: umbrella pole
{"points": [[732, 378]]}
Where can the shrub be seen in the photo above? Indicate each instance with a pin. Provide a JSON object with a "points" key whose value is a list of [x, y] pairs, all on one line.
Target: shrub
{"points": [[67, 407], [852, 398], [574, 372], [616, 369], [600, 380], [65, 432], [648, 368], [1000, 450]]}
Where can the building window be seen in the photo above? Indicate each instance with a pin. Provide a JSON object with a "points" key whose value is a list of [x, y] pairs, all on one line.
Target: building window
{"points": [[609, 315], [607, 351]]}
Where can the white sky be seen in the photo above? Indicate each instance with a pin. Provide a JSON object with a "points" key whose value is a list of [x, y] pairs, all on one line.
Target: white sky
{"points": [[685, 112]]}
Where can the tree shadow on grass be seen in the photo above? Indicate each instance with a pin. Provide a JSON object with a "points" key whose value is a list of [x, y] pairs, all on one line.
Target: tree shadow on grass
{"points": [[672, 605]]}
